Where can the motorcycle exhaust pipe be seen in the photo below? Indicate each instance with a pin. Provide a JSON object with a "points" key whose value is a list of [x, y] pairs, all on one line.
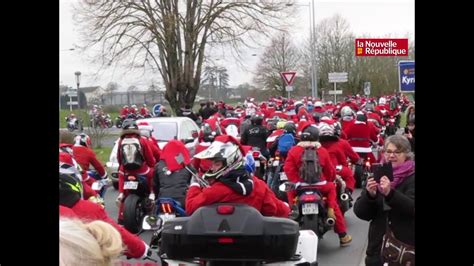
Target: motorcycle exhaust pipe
{"points": [[344, 197], [330, 221]]}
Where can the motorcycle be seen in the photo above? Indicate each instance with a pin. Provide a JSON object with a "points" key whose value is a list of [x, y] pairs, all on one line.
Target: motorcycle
{"points": [[119, 121], [260, 162], [213, 234], [390, 128], [74, 124], [164, 210], [310, 210], [136, 202], [344, 198], [100, 185], [275, 176], [361, 170]]}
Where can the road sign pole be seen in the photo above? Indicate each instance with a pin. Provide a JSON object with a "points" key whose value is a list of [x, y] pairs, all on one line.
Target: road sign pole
{"points": [[335, 95]]}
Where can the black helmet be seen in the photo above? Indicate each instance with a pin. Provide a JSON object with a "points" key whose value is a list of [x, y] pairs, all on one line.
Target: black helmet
{"points": [[256, 119], [129, 124], [208, 135], [361, 116], [310, 133], [70, 189], [290, 128]]}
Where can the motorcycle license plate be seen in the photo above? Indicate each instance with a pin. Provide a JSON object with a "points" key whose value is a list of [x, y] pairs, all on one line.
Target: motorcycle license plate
{"points": [[283, 176], [167, 216], [310, 208], [97, 185], [130, 185], [276, 163], [257, 163]]}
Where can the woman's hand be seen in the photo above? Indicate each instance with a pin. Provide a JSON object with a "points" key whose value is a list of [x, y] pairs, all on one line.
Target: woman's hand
{"points": [[384, 185], [371, 187]]}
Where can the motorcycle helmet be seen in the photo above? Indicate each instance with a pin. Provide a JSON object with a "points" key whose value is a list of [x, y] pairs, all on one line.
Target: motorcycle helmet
{"points": [[290, 128], [346, 111], [70, 189], [129, 124], [229, 153], [208, 135], [83, 139], [326, 129], [145, 129], [256, 119], [310, 133], [382, 101], [361, 116], [281, 124]]}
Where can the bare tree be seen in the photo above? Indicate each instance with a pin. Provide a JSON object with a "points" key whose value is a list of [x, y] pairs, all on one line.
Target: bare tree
{"points": [[110, 89], [153, 91], [335, 52], [132, 88], [278, 57], [334, 49], [171, 35], [97, 135]]}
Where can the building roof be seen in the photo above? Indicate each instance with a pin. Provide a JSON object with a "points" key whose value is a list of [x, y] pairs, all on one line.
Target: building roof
{"points": [[89, 89]]}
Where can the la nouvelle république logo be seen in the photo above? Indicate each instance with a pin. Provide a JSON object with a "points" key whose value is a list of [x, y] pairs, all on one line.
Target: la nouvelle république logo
{"points": [[381, 47]]}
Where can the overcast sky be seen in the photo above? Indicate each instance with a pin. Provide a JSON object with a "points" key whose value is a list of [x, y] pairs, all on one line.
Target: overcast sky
{"points": [[376, 18]]}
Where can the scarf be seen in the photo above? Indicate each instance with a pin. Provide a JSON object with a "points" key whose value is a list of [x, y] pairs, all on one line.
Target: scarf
{"points": [[401, 172], [239, 181]]}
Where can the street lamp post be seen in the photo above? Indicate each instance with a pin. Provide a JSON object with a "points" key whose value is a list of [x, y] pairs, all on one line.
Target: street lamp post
{"points": [[78, 81], [313, 51]]}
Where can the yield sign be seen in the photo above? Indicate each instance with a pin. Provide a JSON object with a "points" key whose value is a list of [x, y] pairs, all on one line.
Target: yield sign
{"points": [[289, 77]]}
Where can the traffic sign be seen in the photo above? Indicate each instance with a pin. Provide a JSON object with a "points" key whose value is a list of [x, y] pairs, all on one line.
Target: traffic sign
{"points": [[335, 92], [156, 109], [337, 77], [288, 76], [289, 88], [73, 103], [367, 88]]}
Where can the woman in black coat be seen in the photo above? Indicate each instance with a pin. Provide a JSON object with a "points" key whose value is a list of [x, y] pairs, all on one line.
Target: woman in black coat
{"points": [[394, 200]]}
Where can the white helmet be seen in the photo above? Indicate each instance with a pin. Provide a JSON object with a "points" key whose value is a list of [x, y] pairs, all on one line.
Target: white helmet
{"points": [[346, 111], [227, 152], [318, 104], [382, 101], [326, 129], [145, 129]]}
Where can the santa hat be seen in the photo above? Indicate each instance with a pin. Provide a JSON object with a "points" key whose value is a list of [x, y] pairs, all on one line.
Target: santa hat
{"points": [[175, 155], [143, 125]]}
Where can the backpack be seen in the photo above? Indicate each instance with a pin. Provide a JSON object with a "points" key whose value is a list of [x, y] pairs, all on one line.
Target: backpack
{"points": [[285, 143], [132, 156], [310, 170]]}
